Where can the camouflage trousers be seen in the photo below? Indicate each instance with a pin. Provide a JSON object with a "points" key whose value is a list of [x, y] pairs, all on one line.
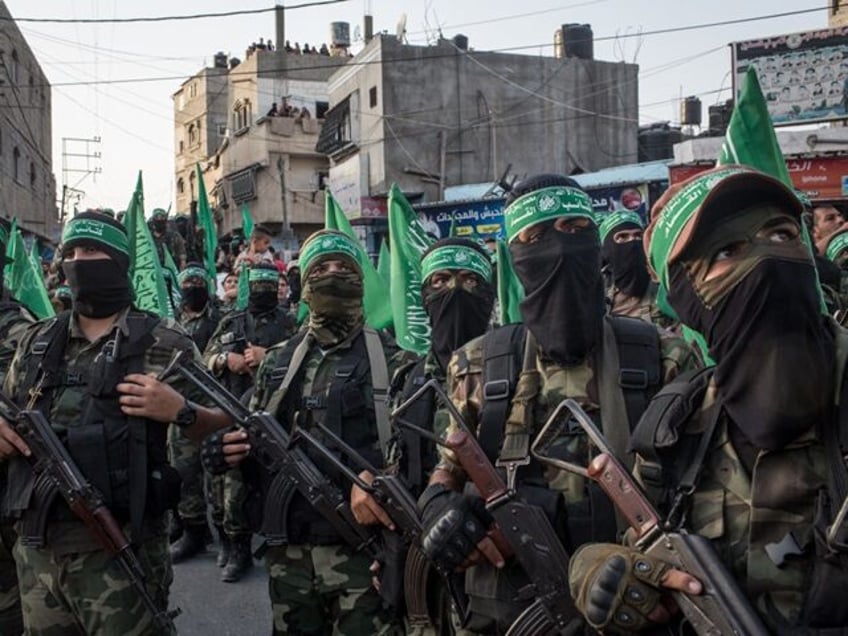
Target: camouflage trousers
{"points": [[88, 593], [185, 457], [11, 621], [227, 494], [324, 590]]}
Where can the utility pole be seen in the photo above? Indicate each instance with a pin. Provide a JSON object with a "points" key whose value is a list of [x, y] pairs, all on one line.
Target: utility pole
{"points": [[288, 235], [78, 157]]}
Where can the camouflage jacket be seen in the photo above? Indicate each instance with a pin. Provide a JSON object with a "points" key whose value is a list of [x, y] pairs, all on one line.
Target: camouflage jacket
{"points": [[644, 308], [15, 319], [67, 401], [175, 244], [539, 391], [201, 326]]}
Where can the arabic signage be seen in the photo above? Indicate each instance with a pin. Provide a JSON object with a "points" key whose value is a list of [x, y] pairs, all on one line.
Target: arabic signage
{"points": [[804, 76], [631, 198], [820, 178], [482, 218]]}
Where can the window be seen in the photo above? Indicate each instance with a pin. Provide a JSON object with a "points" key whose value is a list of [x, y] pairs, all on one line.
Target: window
{"points": [[32, 175], [16, 163], [192, 135], [222, 130], [31, 87], [242, 114], [372, 97], [182, 146], [321, 109], [181, 186], [191, 190], [192, 89], [13, 70]]}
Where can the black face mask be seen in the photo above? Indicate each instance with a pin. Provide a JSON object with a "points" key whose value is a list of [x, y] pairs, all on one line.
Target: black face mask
{"points": [[456, 316], [99, 287], [195, 298], [774, 353], [564, 293], [160, 226], [261, 301], [629, 269]]}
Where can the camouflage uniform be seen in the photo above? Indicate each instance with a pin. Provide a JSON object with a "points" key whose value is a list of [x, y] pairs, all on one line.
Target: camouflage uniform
{"points": [[644, 308], [71, 586], [175, 244], [322, 575], [14, 321]]}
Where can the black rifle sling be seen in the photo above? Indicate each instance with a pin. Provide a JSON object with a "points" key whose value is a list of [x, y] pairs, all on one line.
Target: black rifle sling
{"points": [[502, 353], [421, 414]]}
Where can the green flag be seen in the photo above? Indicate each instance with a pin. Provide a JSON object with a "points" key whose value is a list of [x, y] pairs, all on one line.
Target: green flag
{"points": [[171, 274], [210, 230], [384, 263], [243, 283], [510, 289], [409, 241], [750, 138], [146, 276], [24, 278], [378, 308]]}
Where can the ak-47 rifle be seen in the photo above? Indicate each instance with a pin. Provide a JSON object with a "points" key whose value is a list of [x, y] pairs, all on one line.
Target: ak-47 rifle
{"points": [[721, 609], [50, 460], [521, 529], [273, 448]]}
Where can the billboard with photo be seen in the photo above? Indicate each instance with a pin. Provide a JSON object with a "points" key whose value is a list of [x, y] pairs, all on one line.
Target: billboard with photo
{"points": [[804, 76]]}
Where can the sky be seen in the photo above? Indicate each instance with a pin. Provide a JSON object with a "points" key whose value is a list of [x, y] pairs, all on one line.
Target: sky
{"points": [[114, 81]]}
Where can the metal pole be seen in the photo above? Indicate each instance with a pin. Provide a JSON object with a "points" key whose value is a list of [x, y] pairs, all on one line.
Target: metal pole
{"points": [[287, 231]]}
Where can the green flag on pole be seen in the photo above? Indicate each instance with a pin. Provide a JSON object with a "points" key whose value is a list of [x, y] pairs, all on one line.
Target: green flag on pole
{"points": [[409, 241], [171, 274], [210, 230], [510, 289], [146, 275], [378, 308], [24, 278], [384, 263], [244, 272]]}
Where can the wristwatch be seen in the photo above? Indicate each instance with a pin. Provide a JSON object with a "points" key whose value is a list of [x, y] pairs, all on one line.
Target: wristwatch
{"points": [[187, 415]]}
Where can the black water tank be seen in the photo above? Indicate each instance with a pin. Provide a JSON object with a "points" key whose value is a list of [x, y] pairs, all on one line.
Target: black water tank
{"points": [[460, 41], [220, 60], [234, 61], [719, 117], [690, 112], [657, 141], [578, 41]]}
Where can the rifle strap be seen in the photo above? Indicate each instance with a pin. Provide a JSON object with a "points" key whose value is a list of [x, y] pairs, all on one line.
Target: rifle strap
{"points": [[379, 386], [501, 349], [611, 396], [421, 413], [298, 356]]}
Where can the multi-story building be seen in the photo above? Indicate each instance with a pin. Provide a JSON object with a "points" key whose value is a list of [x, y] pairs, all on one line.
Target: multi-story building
{"points": [[27, 185], [838, 13], [429, 117]]}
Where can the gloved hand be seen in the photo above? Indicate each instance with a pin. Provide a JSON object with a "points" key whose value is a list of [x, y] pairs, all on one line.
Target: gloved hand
{"points": [[453, 525], [212, 452], [616, 588]]}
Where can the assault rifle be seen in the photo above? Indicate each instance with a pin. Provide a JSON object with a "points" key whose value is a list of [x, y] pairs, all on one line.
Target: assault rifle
{"points": [[50, 460], [273, 448], [521, 529], [721, 609]]}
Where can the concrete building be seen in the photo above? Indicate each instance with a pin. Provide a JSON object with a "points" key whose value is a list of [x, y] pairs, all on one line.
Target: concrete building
{"points": [[429, 117], [837, 14], [27, 185]]}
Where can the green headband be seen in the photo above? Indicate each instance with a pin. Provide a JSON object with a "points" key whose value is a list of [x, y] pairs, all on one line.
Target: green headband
{"points": [[544, 205], [97, 232], [192, 272], [616, 219], [262, 274], [456, 257], [678, 212], [326, 243], [63, 291], [836, 245]]}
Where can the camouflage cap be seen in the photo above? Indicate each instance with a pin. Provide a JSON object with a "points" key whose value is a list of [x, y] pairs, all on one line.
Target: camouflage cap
{"points": [[546, 204], [677, 213], [836, 244], [329, 243], [615, 219]]}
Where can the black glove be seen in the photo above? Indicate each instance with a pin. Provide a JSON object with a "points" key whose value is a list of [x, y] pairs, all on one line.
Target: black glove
{"points": [[212, 452], [453, 525]]}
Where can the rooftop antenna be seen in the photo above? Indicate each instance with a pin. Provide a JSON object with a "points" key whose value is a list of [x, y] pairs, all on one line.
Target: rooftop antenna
{"points": [[400, 32]]}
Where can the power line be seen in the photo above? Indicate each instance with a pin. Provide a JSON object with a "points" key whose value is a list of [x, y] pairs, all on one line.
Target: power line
{"points": [[170, 18]]}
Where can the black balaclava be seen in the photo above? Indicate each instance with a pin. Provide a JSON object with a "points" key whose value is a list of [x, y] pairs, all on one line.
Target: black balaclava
{"points": [[457, 315], [262, 296], [98, 290], [564, 293], [627, 263], [774, 353]]}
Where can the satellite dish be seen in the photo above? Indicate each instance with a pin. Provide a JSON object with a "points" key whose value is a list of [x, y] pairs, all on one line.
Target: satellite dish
{"points": [[400, 32], [357, 33]]}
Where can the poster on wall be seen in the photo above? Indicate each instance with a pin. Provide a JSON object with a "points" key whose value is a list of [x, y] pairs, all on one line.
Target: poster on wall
{"points": [[474, 219], [804, 76], [630, 198]]}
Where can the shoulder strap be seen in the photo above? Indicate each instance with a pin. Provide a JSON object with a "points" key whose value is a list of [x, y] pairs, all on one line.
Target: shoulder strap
{"points": [[46, 353], [379, 385], [421, 414], [298, 355], [502, 351]]}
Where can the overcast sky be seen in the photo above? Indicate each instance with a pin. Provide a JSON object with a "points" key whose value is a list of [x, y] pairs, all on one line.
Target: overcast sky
{"points": [[135, 119]]}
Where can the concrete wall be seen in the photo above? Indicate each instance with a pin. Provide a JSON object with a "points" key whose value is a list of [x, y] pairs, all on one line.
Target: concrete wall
{"points": [[27, 184], [482, 111]]}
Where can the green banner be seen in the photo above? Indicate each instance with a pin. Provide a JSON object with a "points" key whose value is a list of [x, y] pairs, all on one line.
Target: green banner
{"points": [[210, 230], [510, 289], [243, 282], [24, 278], [384, 263], [146, 275], [409, 242]]}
